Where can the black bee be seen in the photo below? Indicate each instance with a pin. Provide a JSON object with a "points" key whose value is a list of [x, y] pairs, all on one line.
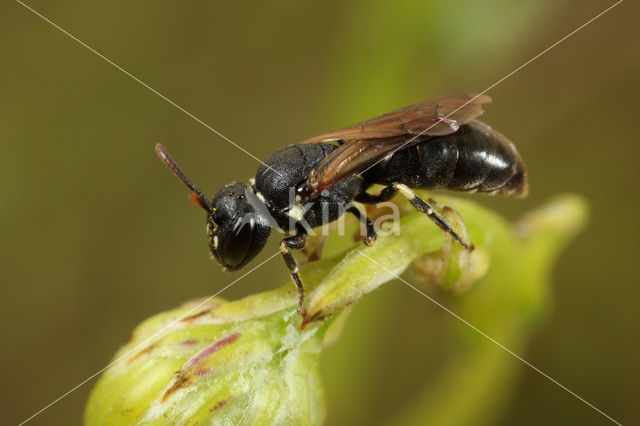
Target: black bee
{"points": [[435, 144]]}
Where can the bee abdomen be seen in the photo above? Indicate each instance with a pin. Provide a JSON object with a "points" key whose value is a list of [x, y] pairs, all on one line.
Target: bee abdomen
{"points": [[487, 162], [475, 158]]}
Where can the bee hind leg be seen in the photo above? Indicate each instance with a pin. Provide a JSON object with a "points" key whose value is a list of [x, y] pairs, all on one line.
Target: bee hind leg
{"points": [[386, 194], [424, 207]]}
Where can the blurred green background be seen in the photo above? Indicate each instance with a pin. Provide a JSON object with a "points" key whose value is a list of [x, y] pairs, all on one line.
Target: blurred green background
{"points": [[97, 235]]}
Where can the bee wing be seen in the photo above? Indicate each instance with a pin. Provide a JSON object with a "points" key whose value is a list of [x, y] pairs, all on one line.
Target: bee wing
{"points": [[350, 158], [436, 117], [369, 142]]}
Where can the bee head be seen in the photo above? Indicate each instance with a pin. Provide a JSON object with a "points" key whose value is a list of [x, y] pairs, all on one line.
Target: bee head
{"points": [[238, 223], [237, 227]]}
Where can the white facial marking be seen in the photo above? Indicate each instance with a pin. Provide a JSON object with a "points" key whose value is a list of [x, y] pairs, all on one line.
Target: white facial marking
{"points": [[215, 241], [260, 196]]}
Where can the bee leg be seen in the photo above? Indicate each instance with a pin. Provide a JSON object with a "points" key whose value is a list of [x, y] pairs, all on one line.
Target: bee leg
{"points": [[297, 243], [364, 219], [385, 195], [424, 207]]}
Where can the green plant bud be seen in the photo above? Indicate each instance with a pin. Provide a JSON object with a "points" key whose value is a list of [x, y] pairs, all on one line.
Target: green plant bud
{"points": [[216, 362], [255, 360]]}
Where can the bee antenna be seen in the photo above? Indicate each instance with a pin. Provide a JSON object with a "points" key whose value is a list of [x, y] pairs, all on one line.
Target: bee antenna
{"points": [[200, 199]]}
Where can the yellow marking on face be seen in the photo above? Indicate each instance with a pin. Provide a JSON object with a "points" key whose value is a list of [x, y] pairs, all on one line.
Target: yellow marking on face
{"points": [[213, 239], [211, 221]]}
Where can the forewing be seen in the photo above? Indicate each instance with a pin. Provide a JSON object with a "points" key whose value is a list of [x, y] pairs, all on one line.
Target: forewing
{"points": [[350, 158], [369, 142], [436, 117]]}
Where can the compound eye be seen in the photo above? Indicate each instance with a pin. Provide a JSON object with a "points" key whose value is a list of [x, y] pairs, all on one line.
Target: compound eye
{"points": [[237, 246]]}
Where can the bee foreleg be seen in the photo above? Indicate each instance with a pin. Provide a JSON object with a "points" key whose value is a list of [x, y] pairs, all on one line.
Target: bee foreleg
{"points": [[297, 243], [424, 207], [370, 227]]}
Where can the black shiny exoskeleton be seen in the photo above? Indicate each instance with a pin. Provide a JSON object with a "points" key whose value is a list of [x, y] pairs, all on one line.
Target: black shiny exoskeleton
{"points": [[475, 158], [436, 144]]}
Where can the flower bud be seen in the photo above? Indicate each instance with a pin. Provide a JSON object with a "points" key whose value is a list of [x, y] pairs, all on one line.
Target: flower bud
{"points": [[216, 362]]}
